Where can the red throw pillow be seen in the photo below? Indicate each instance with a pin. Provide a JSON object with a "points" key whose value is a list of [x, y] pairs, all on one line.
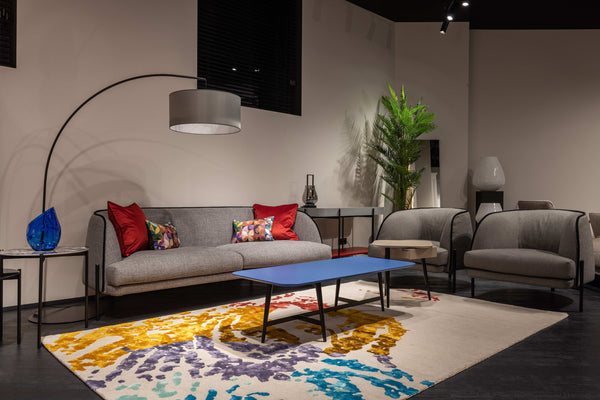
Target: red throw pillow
{"points": [[285, 216], [130, 225]]}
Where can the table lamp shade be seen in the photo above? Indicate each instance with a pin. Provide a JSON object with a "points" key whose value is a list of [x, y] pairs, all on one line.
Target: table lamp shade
{"points": [[204, 112]]}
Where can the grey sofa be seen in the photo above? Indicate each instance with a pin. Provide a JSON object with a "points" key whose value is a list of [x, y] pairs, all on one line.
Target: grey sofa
{"points": [[206, 253], [449, 229], [551, 248]]}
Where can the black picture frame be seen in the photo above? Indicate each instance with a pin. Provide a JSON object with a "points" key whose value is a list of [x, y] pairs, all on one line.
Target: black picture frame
{"points": [[8, 33]]}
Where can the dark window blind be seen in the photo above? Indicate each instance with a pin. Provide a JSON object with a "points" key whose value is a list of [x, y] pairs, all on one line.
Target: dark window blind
{"points": [[253, 48], [8, 33]]}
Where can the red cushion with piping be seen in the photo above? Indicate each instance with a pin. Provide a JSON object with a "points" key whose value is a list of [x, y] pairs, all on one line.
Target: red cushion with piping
{"points": [[130, 225], [284, 218]]}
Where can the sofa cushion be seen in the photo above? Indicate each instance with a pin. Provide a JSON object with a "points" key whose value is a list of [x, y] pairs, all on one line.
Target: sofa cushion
{"points": [[255, 230], [284, 217], [130, 226], [182, 262], [279, 252], [162, 237], [526, 262]]}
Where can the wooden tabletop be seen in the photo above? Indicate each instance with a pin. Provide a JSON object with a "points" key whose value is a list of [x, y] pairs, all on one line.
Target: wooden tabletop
{"points": [[408, 244]]}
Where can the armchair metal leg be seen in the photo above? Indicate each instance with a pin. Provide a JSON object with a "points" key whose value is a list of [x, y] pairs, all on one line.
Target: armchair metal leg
{"points": [[580, 285], [454, 271]]}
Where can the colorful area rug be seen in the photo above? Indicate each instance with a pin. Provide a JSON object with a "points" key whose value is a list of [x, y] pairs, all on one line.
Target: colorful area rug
{"points": [[216, 353]]}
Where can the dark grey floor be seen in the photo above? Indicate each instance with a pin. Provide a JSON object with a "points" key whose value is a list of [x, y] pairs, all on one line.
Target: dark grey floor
{"points": [[560, 362]]}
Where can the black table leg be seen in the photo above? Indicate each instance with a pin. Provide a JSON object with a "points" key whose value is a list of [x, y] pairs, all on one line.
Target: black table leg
{"points": [[426, 278], [387, 287], [321, 313], [387, 277], [337, 291], [86, 279], [19, 308], [380, 282], [97, 288], [1, 300], [266, 315], [39, 316]]}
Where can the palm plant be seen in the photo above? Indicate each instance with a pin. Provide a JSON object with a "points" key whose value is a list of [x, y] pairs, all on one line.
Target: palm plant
{"points": [[394, 146]]}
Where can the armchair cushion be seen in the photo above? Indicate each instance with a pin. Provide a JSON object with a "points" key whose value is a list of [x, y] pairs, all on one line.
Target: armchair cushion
{"points": [[540, 247], [526, 262]]}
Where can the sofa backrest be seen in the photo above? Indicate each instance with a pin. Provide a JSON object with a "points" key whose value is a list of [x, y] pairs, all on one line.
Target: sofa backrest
{"points": [[201, 226], [196, 226]]}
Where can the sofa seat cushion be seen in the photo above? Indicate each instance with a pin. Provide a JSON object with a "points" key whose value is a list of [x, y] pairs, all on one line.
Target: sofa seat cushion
{"points": [[440, 259], [526, 262], [153, 265], [278, 252]]}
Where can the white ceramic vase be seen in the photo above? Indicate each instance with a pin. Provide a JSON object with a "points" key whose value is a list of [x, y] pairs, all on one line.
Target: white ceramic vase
{"points": [[487, 208], [488, 175]]}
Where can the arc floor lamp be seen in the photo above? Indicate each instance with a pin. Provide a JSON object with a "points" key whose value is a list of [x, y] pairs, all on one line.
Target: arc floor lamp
{"points": [[195, 111]]}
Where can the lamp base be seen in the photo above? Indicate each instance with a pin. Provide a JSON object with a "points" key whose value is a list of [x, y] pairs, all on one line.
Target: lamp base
{"points": [[63, 315]]}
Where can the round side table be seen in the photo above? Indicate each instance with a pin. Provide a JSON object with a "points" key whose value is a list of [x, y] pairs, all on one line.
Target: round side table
{"points": [[42, 256]]}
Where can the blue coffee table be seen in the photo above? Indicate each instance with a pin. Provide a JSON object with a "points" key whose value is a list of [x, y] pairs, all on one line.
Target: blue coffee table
{"points": [[315, 273]]}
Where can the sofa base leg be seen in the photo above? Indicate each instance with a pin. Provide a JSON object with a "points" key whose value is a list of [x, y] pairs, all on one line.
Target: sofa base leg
{"points": [[472, 287]]}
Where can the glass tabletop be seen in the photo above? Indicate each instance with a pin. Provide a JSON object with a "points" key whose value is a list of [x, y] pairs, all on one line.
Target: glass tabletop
{"points": [[59, 251]]}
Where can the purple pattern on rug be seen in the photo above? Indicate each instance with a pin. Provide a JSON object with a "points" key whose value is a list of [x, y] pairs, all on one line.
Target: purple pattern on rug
{"points": [[273, 361], [288, 355], [94, 384]]}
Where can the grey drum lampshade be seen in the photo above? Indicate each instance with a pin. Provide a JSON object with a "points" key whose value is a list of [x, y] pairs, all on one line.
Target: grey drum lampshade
{"points": [[204, 112]]}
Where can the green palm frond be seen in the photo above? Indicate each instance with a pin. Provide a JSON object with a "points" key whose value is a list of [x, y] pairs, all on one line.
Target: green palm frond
{"points": [[394, 145]]}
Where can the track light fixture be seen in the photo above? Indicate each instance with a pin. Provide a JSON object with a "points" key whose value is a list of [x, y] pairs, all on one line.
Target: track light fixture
{"points": [[444, 27], [450, 9]]}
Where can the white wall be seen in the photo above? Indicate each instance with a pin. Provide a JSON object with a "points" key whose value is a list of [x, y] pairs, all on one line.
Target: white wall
{"points": [[119, 147], [535, 103], [435, 68]]}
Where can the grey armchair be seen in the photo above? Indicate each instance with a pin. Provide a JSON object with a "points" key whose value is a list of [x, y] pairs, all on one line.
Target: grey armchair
{"points": [[551, 248], [449, 229], [595, 221]]}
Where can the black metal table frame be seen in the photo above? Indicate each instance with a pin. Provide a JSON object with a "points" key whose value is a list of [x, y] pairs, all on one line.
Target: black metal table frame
{"points": [[340, 221], [321, 321], [10, 274], [388, 277], [42, 258]]}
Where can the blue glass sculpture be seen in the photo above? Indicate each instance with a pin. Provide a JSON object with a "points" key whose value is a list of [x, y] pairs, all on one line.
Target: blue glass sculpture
{"points": [[43, 233]]}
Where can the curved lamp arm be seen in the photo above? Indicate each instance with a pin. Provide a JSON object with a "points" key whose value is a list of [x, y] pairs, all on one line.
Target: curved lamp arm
{"points": [[90, 99]]}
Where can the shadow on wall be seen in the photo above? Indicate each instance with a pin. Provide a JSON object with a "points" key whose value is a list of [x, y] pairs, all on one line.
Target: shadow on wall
{"points": [[357, 181], [357, 172]]}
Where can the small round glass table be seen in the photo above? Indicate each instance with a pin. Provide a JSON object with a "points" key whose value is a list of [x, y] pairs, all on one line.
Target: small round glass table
{"points": [[42, 256]]}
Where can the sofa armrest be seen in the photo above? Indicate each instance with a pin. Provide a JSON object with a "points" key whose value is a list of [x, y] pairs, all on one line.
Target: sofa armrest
{"points": [[306, 228], [103, 247], [462, 235]]}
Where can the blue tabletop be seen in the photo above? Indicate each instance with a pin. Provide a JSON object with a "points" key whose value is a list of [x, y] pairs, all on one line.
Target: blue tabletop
{"points": [[318, 271]]}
